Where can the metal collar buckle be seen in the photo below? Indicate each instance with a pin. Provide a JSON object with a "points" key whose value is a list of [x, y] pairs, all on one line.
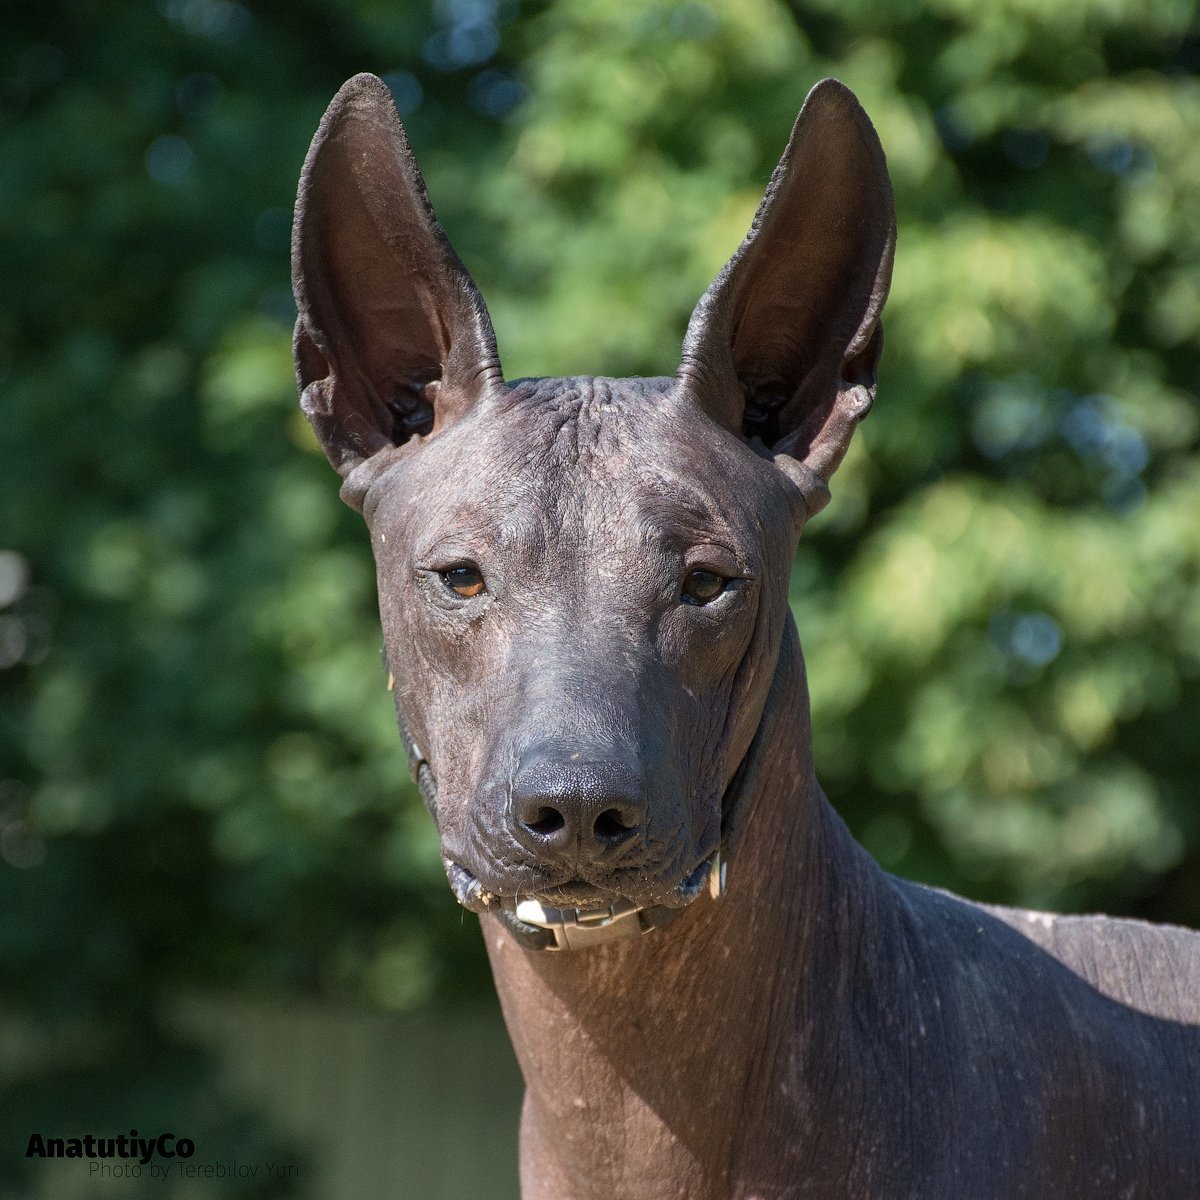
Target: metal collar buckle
{"points": [[577, 929]]}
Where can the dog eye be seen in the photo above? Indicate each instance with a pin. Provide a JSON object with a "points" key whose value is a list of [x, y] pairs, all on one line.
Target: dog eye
{"points": [[464, 581], [702, 586]]}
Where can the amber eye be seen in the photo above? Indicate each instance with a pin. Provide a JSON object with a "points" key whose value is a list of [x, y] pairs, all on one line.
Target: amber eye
{"points": [[702, 586], [463, 581]]}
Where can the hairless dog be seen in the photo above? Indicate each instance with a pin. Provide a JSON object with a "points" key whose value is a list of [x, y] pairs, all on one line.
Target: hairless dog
{"points": [[713, 992]]}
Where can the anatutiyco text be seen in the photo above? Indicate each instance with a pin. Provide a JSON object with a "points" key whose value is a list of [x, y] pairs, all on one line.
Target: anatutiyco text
{"points": [[124, 1145]]}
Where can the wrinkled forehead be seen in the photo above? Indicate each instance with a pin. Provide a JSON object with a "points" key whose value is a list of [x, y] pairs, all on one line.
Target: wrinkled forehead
{"points": [[585, 458]]}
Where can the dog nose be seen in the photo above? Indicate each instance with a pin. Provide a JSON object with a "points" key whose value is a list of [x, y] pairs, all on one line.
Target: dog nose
{"points": [[563, 807]]}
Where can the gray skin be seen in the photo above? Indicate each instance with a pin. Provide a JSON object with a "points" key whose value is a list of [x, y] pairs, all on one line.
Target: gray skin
{"points": [[825, 1029]]}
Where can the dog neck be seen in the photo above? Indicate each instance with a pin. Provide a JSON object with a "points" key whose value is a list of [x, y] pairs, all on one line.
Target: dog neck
{"points": [[640, 1056]]}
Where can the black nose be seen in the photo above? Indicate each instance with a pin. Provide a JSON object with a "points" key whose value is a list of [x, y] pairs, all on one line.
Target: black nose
{"points": [[563, 807]]}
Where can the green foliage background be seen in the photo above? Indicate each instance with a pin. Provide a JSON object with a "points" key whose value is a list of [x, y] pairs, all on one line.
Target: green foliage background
{"points": [[200, 782]]}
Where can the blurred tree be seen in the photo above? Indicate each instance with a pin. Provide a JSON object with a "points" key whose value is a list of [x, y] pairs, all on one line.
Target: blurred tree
{"points": [[200, 782]]}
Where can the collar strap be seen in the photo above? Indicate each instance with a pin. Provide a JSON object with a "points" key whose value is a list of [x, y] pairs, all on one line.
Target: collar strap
{"points": [[418, 764], [539, 927]]}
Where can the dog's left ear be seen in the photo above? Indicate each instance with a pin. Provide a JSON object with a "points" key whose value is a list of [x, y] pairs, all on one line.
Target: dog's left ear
{"points": [[783, 346], [392, 338]]}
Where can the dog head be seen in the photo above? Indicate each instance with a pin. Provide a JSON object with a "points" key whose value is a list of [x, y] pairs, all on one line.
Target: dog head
{"points": [[583, 581]]}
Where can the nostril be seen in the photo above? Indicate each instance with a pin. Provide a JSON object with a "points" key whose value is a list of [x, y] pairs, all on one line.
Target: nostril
{"points": [[611, 826], [546, 821], [562, 805]]}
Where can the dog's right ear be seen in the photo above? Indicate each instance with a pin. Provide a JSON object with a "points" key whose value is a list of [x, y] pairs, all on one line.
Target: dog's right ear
{"points": [[392, 337]]}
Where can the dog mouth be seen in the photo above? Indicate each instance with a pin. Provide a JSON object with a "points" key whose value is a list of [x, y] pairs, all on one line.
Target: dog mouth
{"points": [[576, 894]]}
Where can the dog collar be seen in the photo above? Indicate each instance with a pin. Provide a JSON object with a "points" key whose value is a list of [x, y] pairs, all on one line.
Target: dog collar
{"points": [[537, 926], [540, 927]]}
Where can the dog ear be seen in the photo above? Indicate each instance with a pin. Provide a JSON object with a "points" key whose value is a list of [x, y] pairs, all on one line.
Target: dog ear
{"points": [[783, 346], [392, 338]]}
